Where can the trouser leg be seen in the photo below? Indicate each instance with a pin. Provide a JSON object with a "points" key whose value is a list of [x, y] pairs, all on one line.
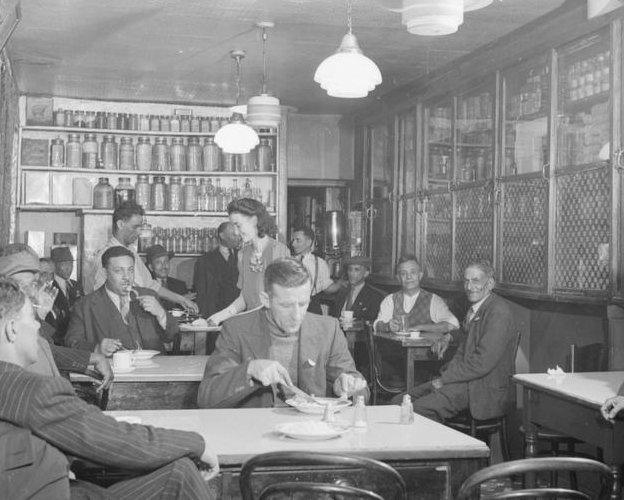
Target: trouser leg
{"points": [[444, 403]]}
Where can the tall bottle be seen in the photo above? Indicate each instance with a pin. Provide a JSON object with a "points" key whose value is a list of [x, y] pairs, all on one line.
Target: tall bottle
{"points": [[247, 189], [265, 156], [211, 156], [218, 196], [211, 195], [235, 193]]}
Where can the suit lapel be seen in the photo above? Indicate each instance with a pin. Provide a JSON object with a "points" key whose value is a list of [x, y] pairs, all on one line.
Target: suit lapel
{"points": [[258, 344], [309, 358], [106, 313]]}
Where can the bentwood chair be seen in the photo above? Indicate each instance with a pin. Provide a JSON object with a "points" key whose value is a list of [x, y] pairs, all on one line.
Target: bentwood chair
{"points": [[528, 468], [376, 376], [87, 392], [316, 490], [343, 470]]}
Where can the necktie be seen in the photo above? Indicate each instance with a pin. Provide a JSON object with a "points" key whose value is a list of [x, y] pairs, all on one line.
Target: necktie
{"points": [[470, 315], [349, 301], [124, 307], [231, 258]]}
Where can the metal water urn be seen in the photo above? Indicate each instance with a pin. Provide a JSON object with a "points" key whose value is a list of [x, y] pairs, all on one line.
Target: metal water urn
{"points": [[335, 230]]}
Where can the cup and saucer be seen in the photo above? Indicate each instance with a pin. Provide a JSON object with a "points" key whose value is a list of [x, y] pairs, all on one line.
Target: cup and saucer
{"points": [[123, 362]]}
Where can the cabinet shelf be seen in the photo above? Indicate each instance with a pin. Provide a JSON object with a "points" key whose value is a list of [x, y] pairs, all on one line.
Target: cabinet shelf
{"points": [[178, 255], [106, 131], [95, 211], [189, 173]]}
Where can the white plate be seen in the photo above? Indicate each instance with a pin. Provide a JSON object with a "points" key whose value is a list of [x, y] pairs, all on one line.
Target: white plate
{"points": [[123, 370], [130, 419], [312, 430], [337, 405]]}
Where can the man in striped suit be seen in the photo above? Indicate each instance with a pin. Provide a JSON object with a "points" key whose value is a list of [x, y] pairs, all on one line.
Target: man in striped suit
{"points": [[43, 422]]}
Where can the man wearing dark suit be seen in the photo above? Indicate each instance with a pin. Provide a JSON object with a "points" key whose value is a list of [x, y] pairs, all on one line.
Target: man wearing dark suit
{"points": [[69, 291], [159, 264], [262, 353], [43, 422], [118, 315], [216, 273], [478, 377], [359, 297]]}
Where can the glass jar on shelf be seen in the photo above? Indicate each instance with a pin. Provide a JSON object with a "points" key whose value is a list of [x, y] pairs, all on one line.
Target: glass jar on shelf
{"points": [[79, 119], [154, 123], [146, 236], [174, 123], [90, 119], [195, 123], [124, 192], [175, 195], [103, 195], [133, 122], [158, 194], [205, 124], [111, 121], [108, 152], [89, 152], [144, 154], [228, 162], [210, 193], [143, 191], [122, 121], [144, 123], [160, 155], [265, 155], [165, 124], [185, 124], [59, 117], [211, 156], [178, 154], [247, 189], [194, 155], [126, 154], [190, 194], [73, 151], [247, 161], [57, 153]]}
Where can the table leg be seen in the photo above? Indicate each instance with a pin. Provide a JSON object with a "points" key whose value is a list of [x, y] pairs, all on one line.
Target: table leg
{"points": [[409, 369], [615, 492]]}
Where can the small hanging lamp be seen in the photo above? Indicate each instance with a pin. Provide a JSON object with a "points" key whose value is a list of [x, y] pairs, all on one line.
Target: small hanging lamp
{"points": [[264, 110], [348, 72], [236, 136]]}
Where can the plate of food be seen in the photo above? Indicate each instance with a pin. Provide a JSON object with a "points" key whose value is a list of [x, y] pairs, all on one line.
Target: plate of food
{"points": [[316, 406], [312, 430]]}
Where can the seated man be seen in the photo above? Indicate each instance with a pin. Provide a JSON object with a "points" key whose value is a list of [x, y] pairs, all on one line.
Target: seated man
{"points": [[20, 262], [279, 344], [410, 309], [359, 296], [159, 264], [42, 422], [478, 377], [69, 291], [112, 317]]}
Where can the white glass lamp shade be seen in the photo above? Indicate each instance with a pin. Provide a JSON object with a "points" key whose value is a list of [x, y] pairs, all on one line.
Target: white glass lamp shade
{"points": [[432, 17], [236, 137], [348, 73], [264, 111], [475, 4]]}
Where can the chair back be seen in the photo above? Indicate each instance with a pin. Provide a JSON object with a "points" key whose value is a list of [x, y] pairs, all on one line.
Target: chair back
{"points": [[372, 474], [316, 490], [588, 358], [532, 466]]}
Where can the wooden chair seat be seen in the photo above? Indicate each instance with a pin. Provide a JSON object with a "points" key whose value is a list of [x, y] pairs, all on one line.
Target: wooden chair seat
{"points": [[464, 422], [316, 490]]}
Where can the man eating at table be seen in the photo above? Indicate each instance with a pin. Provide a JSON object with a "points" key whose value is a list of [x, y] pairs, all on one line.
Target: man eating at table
{"points": [[261, 354], [118, 314], [43, 423]]}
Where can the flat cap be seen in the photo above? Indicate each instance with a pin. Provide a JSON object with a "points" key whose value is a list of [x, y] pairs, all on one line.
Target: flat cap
{"points": [[360, 260], [61, 254], [18, 263], [156, 251]]}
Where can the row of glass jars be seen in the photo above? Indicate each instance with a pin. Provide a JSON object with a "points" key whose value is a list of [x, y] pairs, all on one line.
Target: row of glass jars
{"points": [[160, 156], [176, 196], [133, 121]]}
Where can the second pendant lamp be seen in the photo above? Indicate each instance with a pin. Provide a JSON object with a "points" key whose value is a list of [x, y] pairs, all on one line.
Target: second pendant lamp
{"points": [[237, 137], [348, 73]]}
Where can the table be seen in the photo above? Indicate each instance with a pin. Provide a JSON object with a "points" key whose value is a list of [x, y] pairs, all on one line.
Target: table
{"points": [[417, 349], [171, 382], [433, 459], [571, 405], [201, 338]]}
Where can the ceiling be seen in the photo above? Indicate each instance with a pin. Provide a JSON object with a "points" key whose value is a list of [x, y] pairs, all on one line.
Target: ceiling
{"points": [[178, 50]]}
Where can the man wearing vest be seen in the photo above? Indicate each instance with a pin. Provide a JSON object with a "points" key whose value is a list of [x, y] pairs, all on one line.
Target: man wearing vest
{"points": [[416, 308]]}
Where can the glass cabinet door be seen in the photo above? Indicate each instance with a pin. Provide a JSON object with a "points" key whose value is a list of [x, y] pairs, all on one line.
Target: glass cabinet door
{"points": [[438, 251], [475, 135], [439, 150], [410, 203]]}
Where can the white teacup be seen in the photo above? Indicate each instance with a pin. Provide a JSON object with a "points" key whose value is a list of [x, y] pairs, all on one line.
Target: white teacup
{"points": [[122, 360], [347, 316]]}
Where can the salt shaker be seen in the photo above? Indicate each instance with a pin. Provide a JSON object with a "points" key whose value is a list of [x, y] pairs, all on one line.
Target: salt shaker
{"points": [[407, 411], [359, 413]]}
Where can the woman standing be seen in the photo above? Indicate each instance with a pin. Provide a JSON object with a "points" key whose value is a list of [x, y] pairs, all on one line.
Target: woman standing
{"points": [[253, 224]]}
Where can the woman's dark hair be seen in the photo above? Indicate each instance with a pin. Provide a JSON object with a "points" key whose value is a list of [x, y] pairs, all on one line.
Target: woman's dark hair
{"points": [[251, 207]]}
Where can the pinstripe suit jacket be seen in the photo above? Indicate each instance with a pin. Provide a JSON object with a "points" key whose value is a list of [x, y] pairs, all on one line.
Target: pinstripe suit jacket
{"points": [[42, 421]]}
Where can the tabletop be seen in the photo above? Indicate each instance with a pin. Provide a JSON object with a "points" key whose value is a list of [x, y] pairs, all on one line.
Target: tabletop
{"points": [[238, 434], [587, 387], [425, 339], [162, 369], [187, 327]]}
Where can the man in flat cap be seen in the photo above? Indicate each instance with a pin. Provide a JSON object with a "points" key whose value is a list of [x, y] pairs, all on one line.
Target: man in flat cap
{"points": [[360, 297], [69, 291], [159, 263]]}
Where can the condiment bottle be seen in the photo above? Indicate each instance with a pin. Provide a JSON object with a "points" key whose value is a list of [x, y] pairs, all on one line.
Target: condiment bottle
{"points": [[103, 194], [73, 151], [407, 410], [57, 153], [124, 191], [359, 413]]}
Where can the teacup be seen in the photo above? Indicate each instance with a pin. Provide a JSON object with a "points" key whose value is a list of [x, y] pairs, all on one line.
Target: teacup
{"points": [[122, 360]]}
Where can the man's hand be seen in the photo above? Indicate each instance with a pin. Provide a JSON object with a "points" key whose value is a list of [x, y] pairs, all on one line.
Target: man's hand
{"points": [[437, 384], [107, 347], [209, 457], [440, 346], [152, 306], [190, 295], [267, 372], [394, 325], [347, 385], [219, 317], [103, 367], [611, 407], [45, 296], [188, 304]]}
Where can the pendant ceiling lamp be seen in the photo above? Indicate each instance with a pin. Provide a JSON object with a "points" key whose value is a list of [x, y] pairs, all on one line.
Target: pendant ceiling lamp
{"points": [[236, 136], [348, 73], [264, 110]]}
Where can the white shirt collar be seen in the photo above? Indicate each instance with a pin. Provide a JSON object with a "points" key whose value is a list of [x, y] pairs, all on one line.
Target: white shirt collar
{"points": [[114, 297], [475, 307]]}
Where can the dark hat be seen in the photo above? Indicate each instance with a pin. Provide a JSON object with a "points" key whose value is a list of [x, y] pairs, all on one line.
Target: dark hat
{"points": [[156, 251], [61, 254], [360, 260], [18, 263]]}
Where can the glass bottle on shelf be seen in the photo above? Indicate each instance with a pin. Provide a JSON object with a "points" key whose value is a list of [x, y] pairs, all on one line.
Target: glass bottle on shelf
{"points": [[219, 195], [158, 194], [90, 119], [122, 121], [179, 240], [73, 151], [144, 154], [190, 194], [133, 122], [194, 124], [57, 153], [247, 189], [228, 162], [59, 117], [205, 124], [103, 195], [124, 191], [247, 161], [160, 155], [235, 191], [211, 195], [168, 240], [175, 196], [143, 192], [79, 119], [211, 156], [144, 123], [89, 152], [154, 123], [265, 155], [100, 120], [111, 121], [178, 154], [108, 152], [202, 195], [194, 155], [126, 154]]}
